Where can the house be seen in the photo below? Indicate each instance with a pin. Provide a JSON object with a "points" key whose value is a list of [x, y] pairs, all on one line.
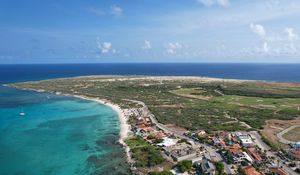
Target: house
{"points": [[246, 142], [216, 141], [250, 170], [208, 167], [256, 157], [148, 121], [236, 145], [277, 171], [235, 151], [180, 152], [158, 135], [201, 133], [245, 139], [140, 123], [239, 156], [145, 131], [296, 145], [167, 142], [295, 153]]}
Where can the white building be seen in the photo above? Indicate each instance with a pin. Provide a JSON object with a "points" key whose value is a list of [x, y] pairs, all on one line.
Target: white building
{"points": [[245, 139], [247, 142], [167, 142]]}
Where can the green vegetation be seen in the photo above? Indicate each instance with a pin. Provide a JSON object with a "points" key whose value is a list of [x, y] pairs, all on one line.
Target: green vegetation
{"points": [[150, 137], [190, 102], [161, 173], [272, 145], [241, 171], [219, 168], [145, 154], [185, 165]]}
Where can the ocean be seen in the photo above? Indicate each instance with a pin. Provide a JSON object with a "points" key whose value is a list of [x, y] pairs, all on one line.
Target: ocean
{"points": [[65, 135], [269, 72]]}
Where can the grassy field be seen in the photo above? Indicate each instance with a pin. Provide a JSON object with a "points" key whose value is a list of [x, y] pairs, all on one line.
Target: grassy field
{"points": [[189, 102]]}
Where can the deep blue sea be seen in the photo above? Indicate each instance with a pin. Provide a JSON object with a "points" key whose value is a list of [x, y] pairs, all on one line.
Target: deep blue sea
{"points": [[271, 72], [64, 135]]}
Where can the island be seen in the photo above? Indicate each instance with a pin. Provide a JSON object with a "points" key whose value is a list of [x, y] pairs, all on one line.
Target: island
{"points": [[177, 124]]}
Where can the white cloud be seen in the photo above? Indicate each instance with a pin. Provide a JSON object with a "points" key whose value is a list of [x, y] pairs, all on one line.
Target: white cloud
{"points": [[265, 47], [105, 47], [258, 29], [116, 11], [147, 45], [276, 43], [291, 34], [223, 3], [172, 47]]}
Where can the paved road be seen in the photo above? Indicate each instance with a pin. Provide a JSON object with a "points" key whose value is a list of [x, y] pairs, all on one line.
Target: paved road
{"points": [[283, 140], [212, 152], [258, 141]]}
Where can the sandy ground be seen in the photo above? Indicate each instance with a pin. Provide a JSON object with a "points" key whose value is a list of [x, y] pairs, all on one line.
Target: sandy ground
{"points": [[137, 77], [290, 135], [273, 127]]}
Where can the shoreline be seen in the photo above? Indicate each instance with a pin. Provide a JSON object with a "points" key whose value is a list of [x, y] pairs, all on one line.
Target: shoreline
{"points": [[124, 126]]}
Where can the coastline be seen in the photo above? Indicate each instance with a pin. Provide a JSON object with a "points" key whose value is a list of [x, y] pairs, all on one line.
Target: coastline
{"points": [[123, 116], [124, 126]]}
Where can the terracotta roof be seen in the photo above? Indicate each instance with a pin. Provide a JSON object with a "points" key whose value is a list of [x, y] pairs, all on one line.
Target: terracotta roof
{"points": [[140, 125], [296, 153], [222, 143], [250, 170], [235, 151], [254, 154], [236, 145], [158, 135], [148, 129], [278, 171]]}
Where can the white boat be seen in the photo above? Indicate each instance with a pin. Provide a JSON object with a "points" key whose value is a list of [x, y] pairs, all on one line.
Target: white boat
{"points": [[22, 114]]}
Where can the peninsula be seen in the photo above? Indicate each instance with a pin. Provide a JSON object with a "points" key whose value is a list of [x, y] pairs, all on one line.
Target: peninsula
{"points": [[190, 124]]}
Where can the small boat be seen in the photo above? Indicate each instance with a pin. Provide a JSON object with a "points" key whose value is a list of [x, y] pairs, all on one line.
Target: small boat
{"points": [[22, 114]]}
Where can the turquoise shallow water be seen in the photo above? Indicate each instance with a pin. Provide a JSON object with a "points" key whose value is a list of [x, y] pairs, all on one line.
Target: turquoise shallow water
{"points": [[58, 135]]}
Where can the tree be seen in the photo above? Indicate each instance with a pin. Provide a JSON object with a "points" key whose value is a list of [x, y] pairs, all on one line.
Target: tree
{"points": [[158, 140], [150, 137], [185, 165], [161, 173], [241, 171], [219, 167]]}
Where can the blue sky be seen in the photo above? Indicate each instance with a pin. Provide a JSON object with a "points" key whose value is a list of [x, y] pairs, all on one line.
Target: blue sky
{"points": [[90, 31]]}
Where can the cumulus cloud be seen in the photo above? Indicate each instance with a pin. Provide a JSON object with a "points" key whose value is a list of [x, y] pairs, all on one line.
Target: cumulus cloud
{"points": [[105, 47], [258, 29], [261, 32], [223, 3], [275, 43], [116, 11], [147, 45], [172, 47]]}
